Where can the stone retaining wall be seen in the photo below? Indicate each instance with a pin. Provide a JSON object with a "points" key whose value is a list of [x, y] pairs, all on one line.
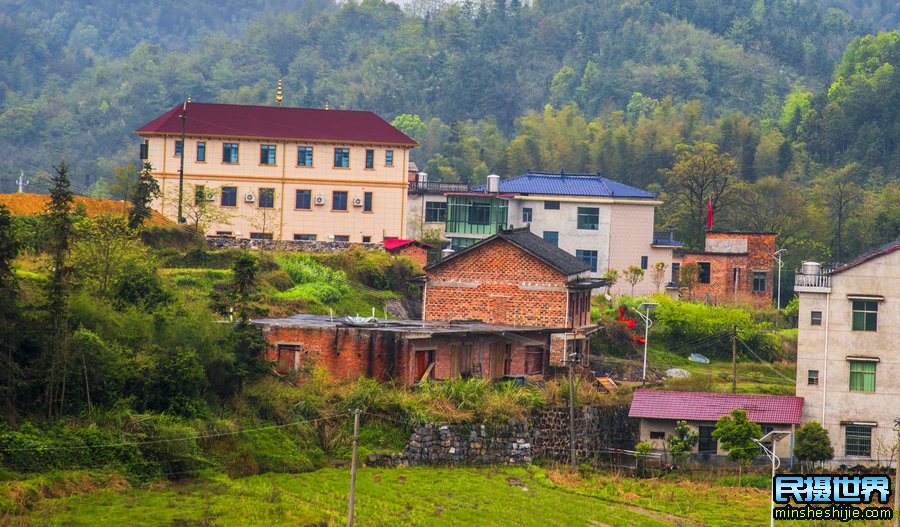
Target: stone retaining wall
{"points": [[220, 242]]}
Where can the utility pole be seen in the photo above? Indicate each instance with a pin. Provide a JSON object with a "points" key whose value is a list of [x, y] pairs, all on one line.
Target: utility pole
{"points": [[181, 168], [571, 359], [778, 259], [733, 360], [353, 467]]}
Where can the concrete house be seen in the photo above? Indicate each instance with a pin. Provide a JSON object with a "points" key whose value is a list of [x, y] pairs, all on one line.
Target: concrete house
{"points": [[848, 365], [517, 278], [735, 268], [659, 411], [283, 173], [604, 223]]}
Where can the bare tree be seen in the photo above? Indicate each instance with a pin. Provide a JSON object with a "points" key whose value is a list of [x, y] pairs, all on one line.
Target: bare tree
{"points": [[658, 274], [199, 207], [633, 275]]}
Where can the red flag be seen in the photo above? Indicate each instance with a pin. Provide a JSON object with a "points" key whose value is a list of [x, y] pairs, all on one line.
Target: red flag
{"points": [[709, 214]]}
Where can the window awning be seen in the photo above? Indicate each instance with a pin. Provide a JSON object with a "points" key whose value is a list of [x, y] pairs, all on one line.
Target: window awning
{"points": [[864, 359], [870, 298], [859, 423]]}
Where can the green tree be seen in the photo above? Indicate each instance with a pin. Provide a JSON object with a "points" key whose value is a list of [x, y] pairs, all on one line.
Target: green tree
{"points": [[737, 434], [682, 442], [411, 125], [249, 346], [633, 275], [105, 249], [611, 276], [9, 315], [143, 192], [813, 445]]}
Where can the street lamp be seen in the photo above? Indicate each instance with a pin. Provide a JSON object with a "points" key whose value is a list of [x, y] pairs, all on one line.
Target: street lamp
{"points": [[648, 307], [776, 462], [777, 257]]}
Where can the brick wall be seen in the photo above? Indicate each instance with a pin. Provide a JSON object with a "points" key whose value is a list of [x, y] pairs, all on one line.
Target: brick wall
{"points": [[414, 252], [721, 286], [499, 283]]}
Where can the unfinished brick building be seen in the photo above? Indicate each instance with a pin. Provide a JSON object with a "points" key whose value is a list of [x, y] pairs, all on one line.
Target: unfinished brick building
{"points": [[734, 268], [406, 351]]}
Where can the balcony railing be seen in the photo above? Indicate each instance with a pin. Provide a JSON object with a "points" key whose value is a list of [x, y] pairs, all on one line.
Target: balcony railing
{"points": [[819, 280], [437, 186]]}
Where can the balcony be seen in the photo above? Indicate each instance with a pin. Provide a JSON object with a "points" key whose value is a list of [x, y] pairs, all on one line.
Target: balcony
{"points": [[819, 282]]}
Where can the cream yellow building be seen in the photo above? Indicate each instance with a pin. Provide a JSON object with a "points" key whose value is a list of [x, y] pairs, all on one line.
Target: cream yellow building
{"points": [[281, 173]]}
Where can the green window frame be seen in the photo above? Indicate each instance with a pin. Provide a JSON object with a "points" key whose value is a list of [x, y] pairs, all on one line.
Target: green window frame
{"points": [[865, 315], [862, 376]]}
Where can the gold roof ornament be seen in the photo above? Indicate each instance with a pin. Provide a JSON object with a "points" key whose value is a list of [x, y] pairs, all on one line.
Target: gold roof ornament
{"points": [[189, 98], [326, 104], [278, 94]]}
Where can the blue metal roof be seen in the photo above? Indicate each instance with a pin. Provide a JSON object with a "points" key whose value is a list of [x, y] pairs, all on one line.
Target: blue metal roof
{"points": [[565, 184]]}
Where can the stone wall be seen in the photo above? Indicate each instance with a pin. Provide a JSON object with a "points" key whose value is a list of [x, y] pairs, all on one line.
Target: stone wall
{"points": [[544, 435], [222, 242]]}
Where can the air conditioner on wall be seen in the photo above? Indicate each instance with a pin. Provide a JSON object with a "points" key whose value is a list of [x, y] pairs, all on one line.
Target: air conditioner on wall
{"points": [[210, 196], [357, 202], [320, 200], [249, 197]]}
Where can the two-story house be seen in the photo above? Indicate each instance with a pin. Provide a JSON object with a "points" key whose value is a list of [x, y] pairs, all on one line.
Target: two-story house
{"points": [[848, 365], [282, 173], [606, 224]]}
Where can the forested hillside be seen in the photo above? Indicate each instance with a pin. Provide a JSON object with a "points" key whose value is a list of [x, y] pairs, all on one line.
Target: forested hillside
{"points": [[801, 122]]}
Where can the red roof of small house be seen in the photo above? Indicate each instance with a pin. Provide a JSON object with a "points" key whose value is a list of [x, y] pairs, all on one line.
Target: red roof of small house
{"points": [[706, 406], [393, 244], [278, 122]]}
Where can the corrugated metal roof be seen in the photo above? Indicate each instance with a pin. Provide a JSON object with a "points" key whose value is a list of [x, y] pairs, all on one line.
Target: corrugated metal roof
{"points": [[278, 122], [565, 184], [705, 406]]}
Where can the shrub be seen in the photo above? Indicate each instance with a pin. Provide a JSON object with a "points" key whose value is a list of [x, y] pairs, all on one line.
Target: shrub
{"points": [[277, 279]]}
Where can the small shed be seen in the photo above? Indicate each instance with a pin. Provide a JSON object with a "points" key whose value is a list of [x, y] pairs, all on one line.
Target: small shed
{"points": [[412, 249]]}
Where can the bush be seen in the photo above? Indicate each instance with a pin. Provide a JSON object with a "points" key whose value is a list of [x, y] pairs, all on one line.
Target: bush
{"points": [[276, 279], [172, 237]]}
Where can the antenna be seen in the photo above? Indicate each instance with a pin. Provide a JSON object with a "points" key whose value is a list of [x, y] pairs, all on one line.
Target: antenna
{"points": [[21, 181]]}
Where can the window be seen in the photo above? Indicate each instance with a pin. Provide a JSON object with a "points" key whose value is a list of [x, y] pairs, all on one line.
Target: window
{"points": [[179, 148], [305, 237], [857, 440], [339, 200], [266, 198], [862, 376], [260, 235], [389, 158], [865, 315], [588, 257], [229, 197], [367, 239], [480, 214], [534, 360], [201, 151], [704, 272], [267, 154], [705, 442], [526, 215], [657, 435], [341, 238], [676, 269], [435, 211], [370, 158], [341, 158], [551, 205], [304, 156], [644, 262], [367, 202], [759, 281], [289, 356], [552, 237], [812, 377], [588, 218], [815, 318], [224, 233], [303, 199], [230, 153], [199, 194]]}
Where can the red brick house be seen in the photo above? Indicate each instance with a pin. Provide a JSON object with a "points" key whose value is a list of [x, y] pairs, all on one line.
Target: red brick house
{"points": [[734, 268], [405, 351], [513, 277], [412, 249]]}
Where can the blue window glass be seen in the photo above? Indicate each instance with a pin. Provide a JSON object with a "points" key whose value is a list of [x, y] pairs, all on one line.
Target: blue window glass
{"points": [[267, 198], [367, 202], [526, 215], [179, 148], [588, 218], [644, 263], [370, 159], [305, 237], [201, 151], [588, 257], [339, 200], [304, 156], [389, 158], [267, 154], [341, 158], [229, 196], [551, 205], [552, 237], [304, 199], [230, 153]]}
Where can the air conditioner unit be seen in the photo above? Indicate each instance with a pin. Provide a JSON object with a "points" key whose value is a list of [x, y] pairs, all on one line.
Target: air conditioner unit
{"points": [[210, 196], [357, 202], [320, 200], [249, 197]]}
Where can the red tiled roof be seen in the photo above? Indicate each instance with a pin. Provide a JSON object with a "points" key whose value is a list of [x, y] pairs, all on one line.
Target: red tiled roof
{"points": [[394, 243], [277, 122], [704, 406]]}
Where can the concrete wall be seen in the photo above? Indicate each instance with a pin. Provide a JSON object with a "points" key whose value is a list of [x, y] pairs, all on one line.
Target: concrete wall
{"points": [[630, 238], [880, 276], [782, 447], [386, 183], [416, 226]]}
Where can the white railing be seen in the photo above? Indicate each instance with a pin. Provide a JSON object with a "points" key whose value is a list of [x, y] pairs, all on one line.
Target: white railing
{"points": [[812, 280]]}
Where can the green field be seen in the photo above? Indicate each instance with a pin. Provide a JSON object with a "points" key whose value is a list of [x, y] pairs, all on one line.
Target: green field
{"points": [[410, 496]]}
